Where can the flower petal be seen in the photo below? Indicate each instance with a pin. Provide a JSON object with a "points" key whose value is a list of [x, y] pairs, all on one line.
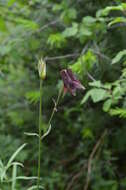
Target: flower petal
{"points": [[78, 85]]}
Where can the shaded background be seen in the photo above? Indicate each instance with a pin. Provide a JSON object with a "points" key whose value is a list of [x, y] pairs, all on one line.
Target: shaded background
{"points": [[86, 147]]}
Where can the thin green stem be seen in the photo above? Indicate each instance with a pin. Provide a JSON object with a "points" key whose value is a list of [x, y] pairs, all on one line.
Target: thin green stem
{"points": [[39, 145], [55, 105], [14, 174], [52, 114]]}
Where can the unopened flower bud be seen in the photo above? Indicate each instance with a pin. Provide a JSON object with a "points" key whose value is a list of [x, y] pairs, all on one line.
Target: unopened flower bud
{"points": [[42, 69]]}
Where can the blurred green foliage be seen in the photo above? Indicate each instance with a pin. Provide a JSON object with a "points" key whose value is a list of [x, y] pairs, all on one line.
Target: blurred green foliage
{"points": [[88, 37]]}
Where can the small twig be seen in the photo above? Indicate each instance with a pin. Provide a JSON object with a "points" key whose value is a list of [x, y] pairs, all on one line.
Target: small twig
{"points": [[96, 50], [47, 25], [67, 55], [91, 158], [90, 76], [102, 55], [76, 55], [55, 105], [52, 114], [84, 49], [61, 57], [25, 34]]}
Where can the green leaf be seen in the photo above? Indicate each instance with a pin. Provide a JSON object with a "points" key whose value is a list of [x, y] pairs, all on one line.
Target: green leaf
{"points": [[97, 84], [107, 105], [119, 56], [71, 31], [28, 24], [72, 14], [121, 112], [68, 15], [117, 20], [11, 2], [87, 133], [83, 31], [57, 7], [16, 118], [84, 63], [14, 155], [98, 94], [56, 40], [95, 94], [33, 96], [108, 9], [88, 20], [3, 27]]}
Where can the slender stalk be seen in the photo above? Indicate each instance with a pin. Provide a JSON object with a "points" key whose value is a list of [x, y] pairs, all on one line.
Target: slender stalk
{"points": [[39, 145], [14, 174], [55, 105]]}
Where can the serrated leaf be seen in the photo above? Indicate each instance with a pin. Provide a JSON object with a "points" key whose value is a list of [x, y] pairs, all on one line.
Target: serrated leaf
{"points": [[33, 96], [121, 112], [56, 40]]}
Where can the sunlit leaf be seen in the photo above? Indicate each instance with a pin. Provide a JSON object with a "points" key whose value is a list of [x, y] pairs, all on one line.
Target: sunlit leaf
{"points": [[119, 56]]}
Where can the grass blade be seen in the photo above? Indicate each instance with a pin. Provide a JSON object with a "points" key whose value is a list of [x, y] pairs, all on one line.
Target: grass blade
{"points": [[14, 155], [14, 173]]}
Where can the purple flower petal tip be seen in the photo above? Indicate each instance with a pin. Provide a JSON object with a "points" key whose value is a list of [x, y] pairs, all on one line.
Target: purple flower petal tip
{"points": [[71, 83]]}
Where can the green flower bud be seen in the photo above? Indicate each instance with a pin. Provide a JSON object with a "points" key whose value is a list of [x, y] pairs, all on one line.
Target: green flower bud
{"points": [[42, 69]]}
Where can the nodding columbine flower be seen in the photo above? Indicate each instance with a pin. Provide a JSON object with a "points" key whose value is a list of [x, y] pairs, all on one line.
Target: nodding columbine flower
{"points": [[42, 69], [71, 83]]}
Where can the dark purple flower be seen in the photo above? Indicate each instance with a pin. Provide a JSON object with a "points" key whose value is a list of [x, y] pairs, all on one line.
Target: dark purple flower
{"points": [[71, 83]]}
